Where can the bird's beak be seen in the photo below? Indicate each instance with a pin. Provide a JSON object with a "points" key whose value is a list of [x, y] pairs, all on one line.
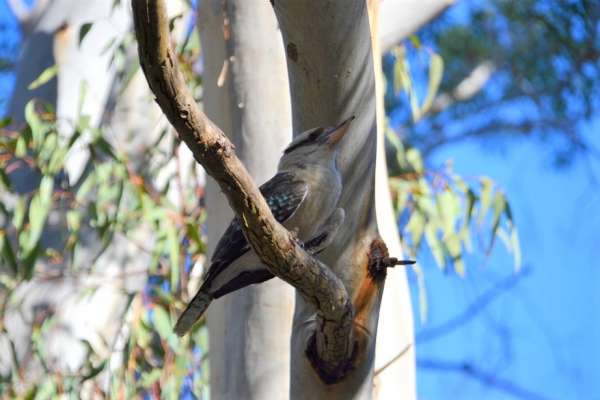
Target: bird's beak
{"points": [[335, 135]]}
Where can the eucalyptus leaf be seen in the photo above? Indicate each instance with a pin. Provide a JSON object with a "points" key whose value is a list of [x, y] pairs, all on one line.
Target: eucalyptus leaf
{"points": [[436, 70], [44, 77]]}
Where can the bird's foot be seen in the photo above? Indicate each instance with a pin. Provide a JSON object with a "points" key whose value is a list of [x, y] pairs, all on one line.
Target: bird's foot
{"points": [[294, 233]]}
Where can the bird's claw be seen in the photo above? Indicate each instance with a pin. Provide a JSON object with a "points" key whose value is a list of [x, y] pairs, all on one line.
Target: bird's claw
{"points": [[294, 233]]}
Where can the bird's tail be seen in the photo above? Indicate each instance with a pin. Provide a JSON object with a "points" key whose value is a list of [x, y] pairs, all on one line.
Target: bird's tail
{"points": [[193, 312]]}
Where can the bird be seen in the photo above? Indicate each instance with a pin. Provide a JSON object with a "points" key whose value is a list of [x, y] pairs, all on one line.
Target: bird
{"points": [[302, 197]]}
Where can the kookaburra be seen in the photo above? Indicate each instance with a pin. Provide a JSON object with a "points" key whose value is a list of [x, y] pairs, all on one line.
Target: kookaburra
{"points": [[302, 197]]}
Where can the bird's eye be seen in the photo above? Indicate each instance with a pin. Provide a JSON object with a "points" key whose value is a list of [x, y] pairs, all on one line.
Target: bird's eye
{"points": [[309, 140]]}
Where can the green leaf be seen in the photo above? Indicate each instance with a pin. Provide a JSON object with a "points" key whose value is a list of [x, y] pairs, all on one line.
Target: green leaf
{"points": [[499, 204], [74, 218], [148, 378], [47, 389], [35, 123], [7, 253], [398, 146], [455, 250], [449, 208], [424, 200], [5, 121], [19, 214], [46, 189], [200, 336], [108, 46], [82, 92], [412, 95], [38, 213], [28, 260], [436, 70], [83, 31], [165, 297], [173, 248], [196, 244], [414, 158], [86, 187], [162, 323], [415, 227], [44, 77], [21, 147], [415, 41], [402, 197], [435, 245], [485, 198], [399, 53], [468, 210]]}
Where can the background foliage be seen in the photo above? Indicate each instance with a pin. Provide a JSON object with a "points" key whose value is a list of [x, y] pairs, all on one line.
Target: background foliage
{"points": [[543, 57]]}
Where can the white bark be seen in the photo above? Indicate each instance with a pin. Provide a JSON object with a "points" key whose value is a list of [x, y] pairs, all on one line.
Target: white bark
{"points": [[252, 353], [331, 78], [402, 18], [394, 350]]}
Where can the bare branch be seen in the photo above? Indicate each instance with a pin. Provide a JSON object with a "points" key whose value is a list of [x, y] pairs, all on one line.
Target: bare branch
{"points": [[475, 308], [275, 246], [485, 377]]}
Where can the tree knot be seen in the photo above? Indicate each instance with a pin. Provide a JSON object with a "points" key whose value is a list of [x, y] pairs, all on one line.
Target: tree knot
{"points": [[380, 260]]}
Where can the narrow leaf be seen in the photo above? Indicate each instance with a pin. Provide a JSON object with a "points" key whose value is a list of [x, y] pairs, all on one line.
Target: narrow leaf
{"points": [[435, 245], [415, 227], [162, 323], [173, 248], [468, 210], [514, 238], [44, 77], [499, 206], [415, 41], [486, 198], [414, 158], [7, 252], [436, 70], [83, 31], [35, 124]]}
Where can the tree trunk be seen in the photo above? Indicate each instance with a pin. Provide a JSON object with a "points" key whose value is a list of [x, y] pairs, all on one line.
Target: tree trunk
{"points": [[394, 351], [250, 358], [330, 67]]}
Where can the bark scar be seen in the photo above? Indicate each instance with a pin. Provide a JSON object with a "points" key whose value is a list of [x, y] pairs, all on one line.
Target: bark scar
{"points": [[292, 52], [380, 261]]}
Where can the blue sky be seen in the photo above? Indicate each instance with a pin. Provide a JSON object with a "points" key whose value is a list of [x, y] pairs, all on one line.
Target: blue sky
{"points": [[541, 336]]}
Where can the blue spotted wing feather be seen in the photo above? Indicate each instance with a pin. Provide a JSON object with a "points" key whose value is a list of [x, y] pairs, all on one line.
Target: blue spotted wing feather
{"points": [[284, 196]]}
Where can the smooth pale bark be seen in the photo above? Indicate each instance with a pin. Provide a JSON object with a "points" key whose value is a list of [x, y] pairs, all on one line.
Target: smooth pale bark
{"points": [[330, 67], [252, 354], [401, 18], [394, 351]]}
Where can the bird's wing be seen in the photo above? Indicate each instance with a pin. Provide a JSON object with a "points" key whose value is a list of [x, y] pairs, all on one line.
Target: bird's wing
{"points": [[283, 195]]}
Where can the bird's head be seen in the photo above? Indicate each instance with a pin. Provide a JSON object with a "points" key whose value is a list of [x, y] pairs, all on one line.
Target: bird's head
{"points": [[315, 146]]}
